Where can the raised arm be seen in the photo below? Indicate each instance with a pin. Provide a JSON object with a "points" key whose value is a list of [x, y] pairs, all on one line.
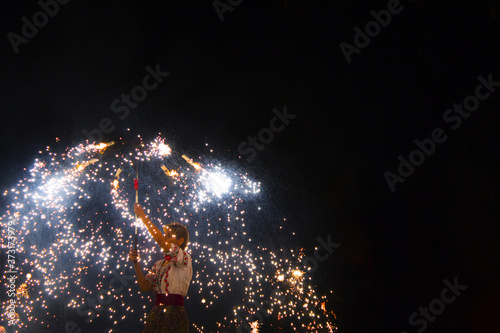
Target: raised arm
{"points": [[153, 230]]}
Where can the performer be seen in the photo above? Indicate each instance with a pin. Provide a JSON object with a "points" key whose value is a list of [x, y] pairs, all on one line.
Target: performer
{"points": [[169, 278]]}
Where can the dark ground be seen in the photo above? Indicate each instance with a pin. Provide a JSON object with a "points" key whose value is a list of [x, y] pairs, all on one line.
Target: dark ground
{"points": [[352, 122]]}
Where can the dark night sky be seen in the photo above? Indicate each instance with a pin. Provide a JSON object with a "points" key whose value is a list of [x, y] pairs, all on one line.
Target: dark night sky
{"points": [[327, 166]]}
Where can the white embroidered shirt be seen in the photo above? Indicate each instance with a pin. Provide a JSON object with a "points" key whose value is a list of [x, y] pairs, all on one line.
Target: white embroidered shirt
{"points": [[173, 277]]}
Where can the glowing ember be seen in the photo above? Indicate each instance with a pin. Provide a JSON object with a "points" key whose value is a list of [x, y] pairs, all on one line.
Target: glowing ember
{"points": [[190, 162]]}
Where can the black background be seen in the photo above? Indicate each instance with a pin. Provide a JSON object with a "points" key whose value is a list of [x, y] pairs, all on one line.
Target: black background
{"points": [[326, 168]]}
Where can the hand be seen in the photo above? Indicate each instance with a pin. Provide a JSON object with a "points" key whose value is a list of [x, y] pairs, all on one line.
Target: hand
{"points": [[139, 211], [134, 256]]}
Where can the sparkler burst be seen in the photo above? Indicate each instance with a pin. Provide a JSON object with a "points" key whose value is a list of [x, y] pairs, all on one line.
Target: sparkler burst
{"points": [[73, 220]]}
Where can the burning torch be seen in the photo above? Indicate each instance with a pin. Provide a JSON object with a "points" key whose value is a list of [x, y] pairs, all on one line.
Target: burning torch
{"points": [[136, 187]]}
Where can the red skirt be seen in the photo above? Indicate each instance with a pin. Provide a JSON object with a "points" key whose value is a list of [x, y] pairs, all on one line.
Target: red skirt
{"points": [[167, 316]]}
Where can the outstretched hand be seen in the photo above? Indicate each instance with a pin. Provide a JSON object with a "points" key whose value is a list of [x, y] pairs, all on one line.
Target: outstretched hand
{"points": [[134, 256]]}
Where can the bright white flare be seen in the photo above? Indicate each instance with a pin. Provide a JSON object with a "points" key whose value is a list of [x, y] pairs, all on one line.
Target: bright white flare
{"points": [[216, 183]]}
